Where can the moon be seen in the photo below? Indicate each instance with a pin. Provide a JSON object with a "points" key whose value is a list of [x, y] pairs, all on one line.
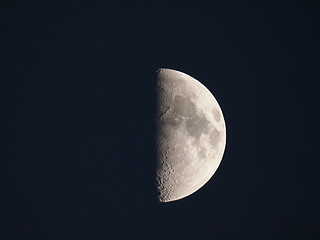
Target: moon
{"points": [[190, 135]]}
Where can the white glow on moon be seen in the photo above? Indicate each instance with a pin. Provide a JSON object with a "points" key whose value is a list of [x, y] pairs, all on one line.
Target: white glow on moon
{"points": [[191, 135]]}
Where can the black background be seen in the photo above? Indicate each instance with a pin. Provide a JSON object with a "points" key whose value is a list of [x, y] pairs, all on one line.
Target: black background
{"points": [[78, 103]]}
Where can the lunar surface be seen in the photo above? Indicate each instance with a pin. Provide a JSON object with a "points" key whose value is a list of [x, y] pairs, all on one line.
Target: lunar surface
{"points": [[190, 135]]}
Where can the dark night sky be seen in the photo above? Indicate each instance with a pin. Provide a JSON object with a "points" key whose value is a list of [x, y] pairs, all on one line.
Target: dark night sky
{"points": [[77, 89]]}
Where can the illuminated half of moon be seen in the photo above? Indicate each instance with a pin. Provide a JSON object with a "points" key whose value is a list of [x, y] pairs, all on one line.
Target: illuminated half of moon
{"points": [[190, 135]]}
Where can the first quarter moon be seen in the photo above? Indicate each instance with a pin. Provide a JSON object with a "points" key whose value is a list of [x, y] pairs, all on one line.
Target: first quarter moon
{"points": [[190, 135]]}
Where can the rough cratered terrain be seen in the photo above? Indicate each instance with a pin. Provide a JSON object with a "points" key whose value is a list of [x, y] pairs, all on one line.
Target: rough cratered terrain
{"points": [[191, 135]]}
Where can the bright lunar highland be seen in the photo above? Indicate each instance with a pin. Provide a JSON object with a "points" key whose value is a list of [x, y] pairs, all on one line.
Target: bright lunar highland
{"points": [[190, 135]]}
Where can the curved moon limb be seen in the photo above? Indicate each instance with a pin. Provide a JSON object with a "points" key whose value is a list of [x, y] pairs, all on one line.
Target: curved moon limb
{"points": [[190, 135]]}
